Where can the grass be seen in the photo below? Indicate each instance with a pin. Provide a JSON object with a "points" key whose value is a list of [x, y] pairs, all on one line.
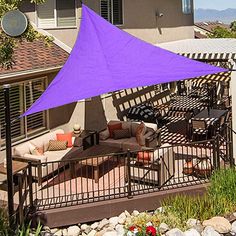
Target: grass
{"points": [[219, 199]]}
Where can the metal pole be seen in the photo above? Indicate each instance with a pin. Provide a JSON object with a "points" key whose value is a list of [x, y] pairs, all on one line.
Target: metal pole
{"points": [[10, 193]]}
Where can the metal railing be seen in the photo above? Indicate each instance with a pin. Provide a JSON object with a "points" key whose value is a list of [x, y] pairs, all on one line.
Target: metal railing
{"points": [[127, 174]]}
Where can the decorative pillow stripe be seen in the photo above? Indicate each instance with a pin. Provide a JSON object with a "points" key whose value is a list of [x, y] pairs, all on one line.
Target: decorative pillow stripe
{"points": [[55, 145]]}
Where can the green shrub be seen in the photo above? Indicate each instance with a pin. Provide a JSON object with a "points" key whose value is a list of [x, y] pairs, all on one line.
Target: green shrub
{"points": [[223, 185], [218, 200], [4, 228]]}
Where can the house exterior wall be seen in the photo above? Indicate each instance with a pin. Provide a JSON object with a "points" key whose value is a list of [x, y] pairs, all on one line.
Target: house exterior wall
{"points": [[140, 19]]}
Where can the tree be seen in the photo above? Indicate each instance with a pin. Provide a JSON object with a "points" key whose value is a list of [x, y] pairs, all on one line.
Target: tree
{"points": [[220, 32], [7, 43]]}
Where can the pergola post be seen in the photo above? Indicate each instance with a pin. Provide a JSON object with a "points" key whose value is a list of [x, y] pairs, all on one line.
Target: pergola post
{"points": [[233, 94], [10, 193]]}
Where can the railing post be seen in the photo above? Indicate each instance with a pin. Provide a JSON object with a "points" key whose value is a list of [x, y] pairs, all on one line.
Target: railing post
{"points": [[230, 144], [214, 153], [217, 151], [30, 182], [129, 174]]}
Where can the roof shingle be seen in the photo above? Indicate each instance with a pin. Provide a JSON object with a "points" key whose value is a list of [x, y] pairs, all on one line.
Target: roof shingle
{"points": [[36, 55]]}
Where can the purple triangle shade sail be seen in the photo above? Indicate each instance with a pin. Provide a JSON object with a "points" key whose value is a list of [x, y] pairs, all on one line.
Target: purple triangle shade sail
{"points": [[106, 59]]}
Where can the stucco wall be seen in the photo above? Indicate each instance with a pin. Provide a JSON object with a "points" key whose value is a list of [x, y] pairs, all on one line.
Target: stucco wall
{"points": [[141, 19]]}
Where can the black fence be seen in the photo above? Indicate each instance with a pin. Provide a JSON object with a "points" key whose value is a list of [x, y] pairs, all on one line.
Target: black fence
{"points": [[128, 174]]}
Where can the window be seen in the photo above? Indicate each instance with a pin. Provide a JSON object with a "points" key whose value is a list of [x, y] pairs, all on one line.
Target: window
{"points": [[56, 13], [22, 95], [187, 6], [112, 10]]}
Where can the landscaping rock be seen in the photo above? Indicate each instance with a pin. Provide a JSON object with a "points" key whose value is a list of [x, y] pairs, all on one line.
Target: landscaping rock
{"points": [[58, 233], [209, 231], [65, 233], [127, 214], [233, 229], [114, 220], [220, 224], [87, 230], [53, 231], [191, 232], [92, 233], [175, 232], [191, 223], [94, 225], [110, 233], [73, 230], [163, 228], [135, 213], [84, 227], [120, 230], [122, 218], [103, 223]]}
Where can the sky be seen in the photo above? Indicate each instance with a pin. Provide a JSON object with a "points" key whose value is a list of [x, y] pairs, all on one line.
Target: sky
{"points": [[215, 4]]}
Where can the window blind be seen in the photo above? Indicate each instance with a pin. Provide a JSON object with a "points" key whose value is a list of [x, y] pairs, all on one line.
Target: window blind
{"points": [[21, 97], [66, 13], [117, 12], [46, 17]]}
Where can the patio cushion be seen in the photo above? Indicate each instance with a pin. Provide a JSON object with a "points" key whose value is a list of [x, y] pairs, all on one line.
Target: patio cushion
{"points": [[112, 127], [131, 144], [56, 155], [41, 158], [104, 134], [112, 142], [121, 133]]}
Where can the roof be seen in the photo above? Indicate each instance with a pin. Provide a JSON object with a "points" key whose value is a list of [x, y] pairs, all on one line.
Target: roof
{"points": [[198, 35], [210, 26], [30, 56], [207, 49]]}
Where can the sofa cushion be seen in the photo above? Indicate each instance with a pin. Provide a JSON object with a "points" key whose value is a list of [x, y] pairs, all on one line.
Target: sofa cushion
{"points": [[65, 137], [134, 126], [56, 155], [41, 158], [112, 142], [21, 149], [103, 135], [56, 145], [131, 144], [113, 127], [151, 127], [140, 132], [121, 133]]}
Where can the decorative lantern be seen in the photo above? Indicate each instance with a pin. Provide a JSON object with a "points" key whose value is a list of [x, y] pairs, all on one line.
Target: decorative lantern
{"points": [[77, 129]]}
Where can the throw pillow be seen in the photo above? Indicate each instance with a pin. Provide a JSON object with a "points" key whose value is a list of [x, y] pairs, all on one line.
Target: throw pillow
{"points": [[121, 133], [112, 127], [31, 148], [65, 137], [144, 157], [103, 135], [37, 151], [141, 130], [55, 145]]}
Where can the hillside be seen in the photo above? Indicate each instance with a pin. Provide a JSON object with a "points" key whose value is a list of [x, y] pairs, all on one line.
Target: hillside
{"points": [[226, 16]]}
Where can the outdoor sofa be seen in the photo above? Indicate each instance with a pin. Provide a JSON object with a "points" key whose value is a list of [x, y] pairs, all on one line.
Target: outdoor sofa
{"points": [[22, 152], [152, 136]]}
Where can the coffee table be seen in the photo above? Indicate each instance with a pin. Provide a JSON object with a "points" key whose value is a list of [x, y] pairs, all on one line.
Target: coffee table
{"points": [[96, 156]]}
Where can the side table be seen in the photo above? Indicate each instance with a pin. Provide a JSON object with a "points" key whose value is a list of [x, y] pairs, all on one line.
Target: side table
{"points": [[87, 138], [19, 170]]}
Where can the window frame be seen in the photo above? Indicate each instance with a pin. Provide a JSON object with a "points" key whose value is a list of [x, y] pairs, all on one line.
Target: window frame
{"points": [[55, 18], [111, 7], [188, 8], [26, 134]]}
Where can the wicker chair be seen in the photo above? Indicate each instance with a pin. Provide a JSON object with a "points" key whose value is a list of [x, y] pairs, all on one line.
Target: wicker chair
{"points": [[199, 129]]}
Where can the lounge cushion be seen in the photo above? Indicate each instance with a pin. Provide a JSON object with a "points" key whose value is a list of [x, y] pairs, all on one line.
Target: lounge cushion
{"points": [[121, 133], [56, 155], [56, 145]]}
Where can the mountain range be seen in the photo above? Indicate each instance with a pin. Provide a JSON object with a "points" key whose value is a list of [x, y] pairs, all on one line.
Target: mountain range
{"points": [[226, 16]]}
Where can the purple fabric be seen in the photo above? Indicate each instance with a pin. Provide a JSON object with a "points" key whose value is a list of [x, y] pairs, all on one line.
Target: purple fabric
{"points": [[106, 59]]}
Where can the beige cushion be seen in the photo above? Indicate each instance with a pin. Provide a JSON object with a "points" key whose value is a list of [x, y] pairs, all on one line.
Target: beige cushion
{"points": [[21, 149], [140, 132], [56, 155], [55, 145], [31, 157], [104, 134], [131, 144], [112, 142], [134, 126], [151, 126]]}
